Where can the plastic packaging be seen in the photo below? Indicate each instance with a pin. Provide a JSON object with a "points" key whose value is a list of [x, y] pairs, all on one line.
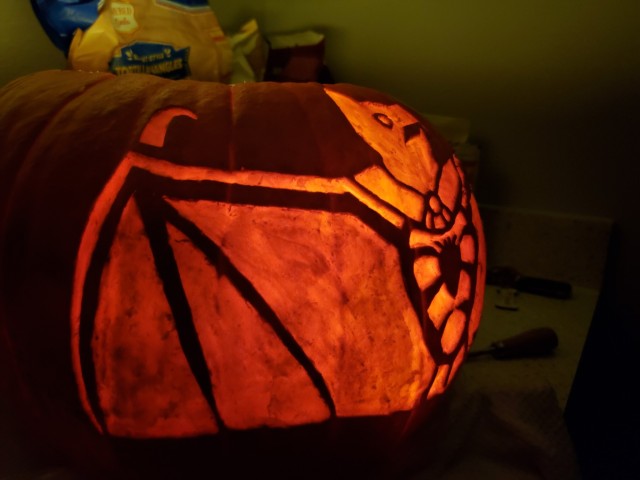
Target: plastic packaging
{"points": [[250, 53], [169, 38], [61, 18]]}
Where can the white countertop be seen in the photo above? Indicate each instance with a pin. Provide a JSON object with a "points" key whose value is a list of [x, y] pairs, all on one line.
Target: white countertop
{"points": [[570, 319]]}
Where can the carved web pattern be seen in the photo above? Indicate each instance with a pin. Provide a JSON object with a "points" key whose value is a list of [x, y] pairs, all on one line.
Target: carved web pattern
{"points": [[435, 238]]}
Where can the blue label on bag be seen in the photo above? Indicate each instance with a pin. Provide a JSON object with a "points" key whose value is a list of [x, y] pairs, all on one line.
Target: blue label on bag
{"points": [[152, 58], [60, 18]]}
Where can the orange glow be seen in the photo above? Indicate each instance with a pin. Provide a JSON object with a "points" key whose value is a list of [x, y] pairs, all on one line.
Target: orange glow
{"points": [[453, 331], [441, 381], [267, 387], [144, 383], [85, 253], [331, 270], [481, 254], [378, 181], [427, 271], [442, 304], [156, 129], [208, 298], [386, 132]]}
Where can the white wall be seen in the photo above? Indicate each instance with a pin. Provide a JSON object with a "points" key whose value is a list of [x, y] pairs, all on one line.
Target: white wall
{"points": [[24, 47]]}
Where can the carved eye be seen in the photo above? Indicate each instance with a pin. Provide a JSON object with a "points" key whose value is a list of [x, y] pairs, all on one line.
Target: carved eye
{"points": [[383, 120]]}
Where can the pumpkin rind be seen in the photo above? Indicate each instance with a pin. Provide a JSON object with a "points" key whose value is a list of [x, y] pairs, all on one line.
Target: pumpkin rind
{"points": [[265, 255]]}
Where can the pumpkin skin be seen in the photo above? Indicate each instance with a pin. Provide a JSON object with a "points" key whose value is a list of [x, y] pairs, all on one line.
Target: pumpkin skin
{"points": [[198, 270]]}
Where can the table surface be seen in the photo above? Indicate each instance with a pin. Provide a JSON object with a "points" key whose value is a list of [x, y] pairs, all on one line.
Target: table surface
{"points": [[569, 318], [504, 418]]}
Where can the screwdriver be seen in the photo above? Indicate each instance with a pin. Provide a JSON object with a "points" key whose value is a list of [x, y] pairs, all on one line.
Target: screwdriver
{"points": [[537, 342]]}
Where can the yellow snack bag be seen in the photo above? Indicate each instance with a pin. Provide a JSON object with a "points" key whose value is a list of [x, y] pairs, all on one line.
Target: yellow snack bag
{"points": [[169, 38]]}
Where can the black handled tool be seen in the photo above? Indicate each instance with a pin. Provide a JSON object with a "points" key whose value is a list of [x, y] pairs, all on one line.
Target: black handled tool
{"points": [[532, 343], [510, 278]]}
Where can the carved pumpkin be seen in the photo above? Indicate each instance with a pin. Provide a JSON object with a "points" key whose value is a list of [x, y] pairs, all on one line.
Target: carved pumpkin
{"points": [[184, 260]]}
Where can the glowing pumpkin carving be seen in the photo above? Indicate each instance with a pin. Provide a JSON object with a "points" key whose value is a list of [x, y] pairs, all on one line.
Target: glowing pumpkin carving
{"points": [[231, 259]]}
